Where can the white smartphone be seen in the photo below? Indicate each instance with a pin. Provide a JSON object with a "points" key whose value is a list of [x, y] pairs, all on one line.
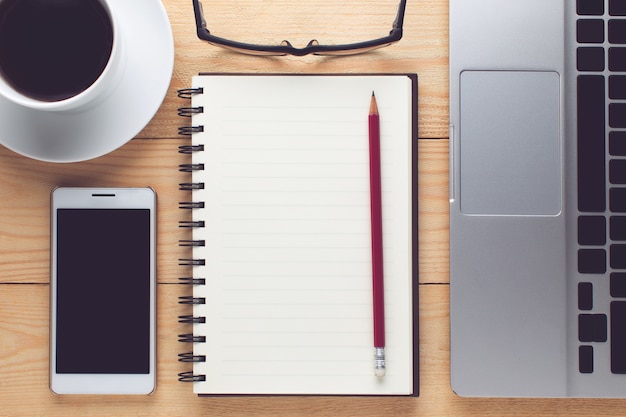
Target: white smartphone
{"points": [[103, 291]]}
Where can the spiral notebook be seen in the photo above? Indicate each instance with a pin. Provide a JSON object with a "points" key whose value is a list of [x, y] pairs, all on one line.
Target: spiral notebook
{"points": [[281, 289]]}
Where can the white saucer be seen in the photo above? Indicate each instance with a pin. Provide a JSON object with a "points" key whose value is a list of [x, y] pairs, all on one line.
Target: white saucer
{"points": [[78, 135]]}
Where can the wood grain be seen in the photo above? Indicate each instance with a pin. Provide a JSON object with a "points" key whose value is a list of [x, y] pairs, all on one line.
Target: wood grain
{"points": [[433, 212], [25, 204]]}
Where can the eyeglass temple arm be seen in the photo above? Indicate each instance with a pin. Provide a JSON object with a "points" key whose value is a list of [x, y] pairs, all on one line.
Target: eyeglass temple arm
{"points": [[199, 14], [399, 20]]}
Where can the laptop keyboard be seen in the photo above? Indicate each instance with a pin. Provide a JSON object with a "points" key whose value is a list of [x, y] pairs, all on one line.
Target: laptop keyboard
{"points": [[601, 115]]}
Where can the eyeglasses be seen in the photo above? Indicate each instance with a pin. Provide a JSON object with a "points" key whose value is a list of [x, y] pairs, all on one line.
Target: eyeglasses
{"points": [[313, 46]]}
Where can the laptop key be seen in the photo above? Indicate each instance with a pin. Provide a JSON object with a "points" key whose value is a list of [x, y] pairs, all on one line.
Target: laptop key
{"points": [[618, 256], [590, 7], [590, 31], [617, 31], [592, 261], [618, 228], [590, 59], [585, 296], [617, 115], [618, 337], [585, 359], [617, 197], [592, 328], [617, 59], [591, 230], [617, 143], [617, 87], [618, 285], [617, 171], [591, 143], [617, 7]]}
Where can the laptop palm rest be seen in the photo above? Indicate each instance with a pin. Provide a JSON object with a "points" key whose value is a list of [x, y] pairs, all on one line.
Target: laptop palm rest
{"points": [[510, 143], [508, 286]]}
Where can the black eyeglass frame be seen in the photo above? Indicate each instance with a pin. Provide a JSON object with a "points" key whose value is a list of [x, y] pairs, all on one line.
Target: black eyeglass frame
{"points": [[313, 47]]}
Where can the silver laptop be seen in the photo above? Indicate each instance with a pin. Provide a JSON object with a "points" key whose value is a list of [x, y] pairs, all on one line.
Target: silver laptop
{"points": [[538, 198]]}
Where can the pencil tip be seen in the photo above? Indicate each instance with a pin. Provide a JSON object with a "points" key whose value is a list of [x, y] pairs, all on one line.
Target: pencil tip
{"points": [[373, 95], [373, 105]]}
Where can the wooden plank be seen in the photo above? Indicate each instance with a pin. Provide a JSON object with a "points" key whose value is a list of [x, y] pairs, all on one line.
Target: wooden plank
{"points": [[24, 374], [434, 208], [25, 204]]}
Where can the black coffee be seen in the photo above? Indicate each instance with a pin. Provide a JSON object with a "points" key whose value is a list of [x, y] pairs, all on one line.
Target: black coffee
{"points": [[51, 50]]}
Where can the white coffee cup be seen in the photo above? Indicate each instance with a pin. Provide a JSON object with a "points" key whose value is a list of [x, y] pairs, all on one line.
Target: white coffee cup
{"points": [[71, 63]]}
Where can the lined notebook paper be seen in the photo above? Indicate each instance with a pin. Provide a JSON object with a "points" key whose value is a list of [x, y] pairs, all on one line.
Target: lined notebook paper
{"points": [[287, 261]]}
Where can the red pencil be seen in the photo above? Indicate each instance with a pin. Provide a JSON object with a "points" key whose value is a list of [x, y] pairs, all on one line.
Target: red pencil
{"points": [[377, 239]]}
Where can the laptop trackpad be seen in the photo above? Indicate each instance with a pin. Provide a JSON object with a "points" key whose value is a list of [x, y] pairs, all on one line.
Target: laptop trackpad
{"points": [[510, 143]]}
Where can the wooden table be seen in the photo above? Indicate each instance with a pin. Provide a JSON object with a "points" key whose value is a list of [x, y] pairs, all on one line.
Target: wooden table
{"points": [[151, 159]]}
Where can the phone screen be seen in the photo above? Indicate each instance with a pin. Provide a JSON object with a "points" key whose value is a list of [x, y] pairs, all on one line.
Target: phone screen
{"points": [[103, 291]]}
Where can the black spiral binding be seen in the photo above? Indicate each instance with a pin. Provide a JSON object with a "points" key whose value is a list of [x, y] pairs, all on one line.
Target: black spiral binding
{"points": [[190, 186], [189, 205], [191, 338], [191, 262], [187, 93], [190, 357], [192, 243], [191, 300], [189, 149], [192, 281], [191, 319], [190, 130], [191, 224], [190, 167], [190, 111], [190, 377]]}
